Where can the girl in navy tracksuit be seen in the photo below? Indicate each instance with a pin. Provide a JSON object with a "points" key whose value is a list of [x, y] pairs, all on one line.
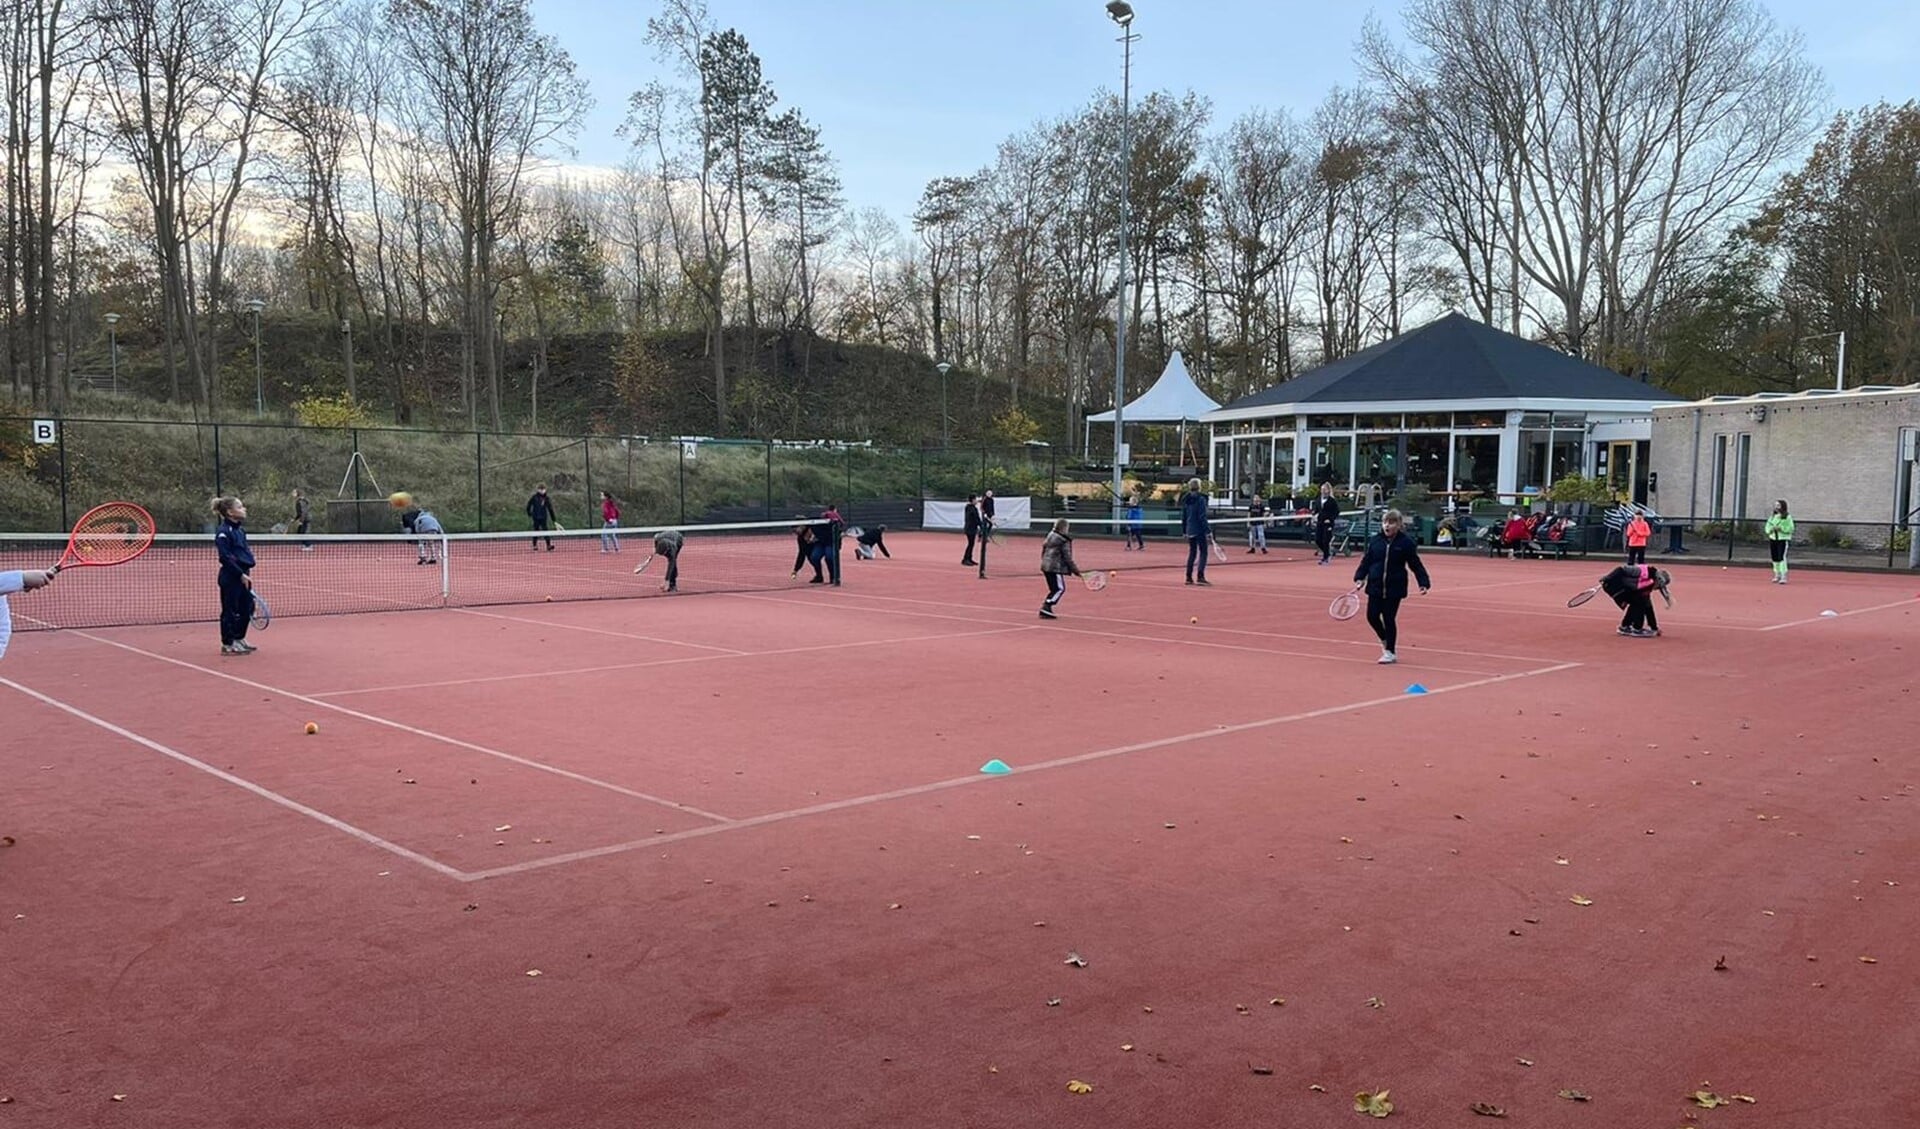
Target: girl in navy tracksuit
{"points": [[236, 581], [1384, 571]]}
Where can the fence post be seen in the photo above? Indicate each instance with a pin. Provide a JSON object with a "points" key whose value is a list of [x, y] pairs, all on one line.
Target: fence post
{"points": [[479, 486], [356, 471], [682, 448], [219, 485], [983, 468], [60, 433], [769, 480], [1053, 473], [848, 501], [586, 447], [922, 495]]}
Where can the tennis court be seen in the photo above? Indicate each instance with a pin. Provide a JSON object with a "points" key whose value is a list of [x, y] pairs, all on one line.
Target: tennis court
{"points": [[729, 858]]}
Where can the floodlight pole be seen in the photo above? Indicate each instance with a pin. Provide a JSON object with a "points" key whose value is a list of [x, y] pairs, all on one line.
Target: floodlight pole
{"points": [[259, 388], [113, 349], [1121, 13], [946, 439], [1840, 362]]}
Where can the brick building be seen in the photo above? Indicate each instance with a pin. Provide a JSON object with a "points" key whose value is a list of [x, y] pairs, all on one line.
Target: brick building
{"points": [[1836, 457]]}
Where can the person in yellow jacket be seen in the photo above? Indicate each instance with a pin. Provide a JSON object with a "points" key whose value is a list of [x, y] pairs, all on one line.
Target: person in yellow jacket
{"points": [[1637, 533], [1779, 533]]}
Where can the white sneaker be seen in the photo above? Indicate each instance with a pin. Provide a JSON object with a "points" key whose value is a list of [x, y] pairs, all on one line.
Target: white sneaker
{"points": [[1388, 658]]}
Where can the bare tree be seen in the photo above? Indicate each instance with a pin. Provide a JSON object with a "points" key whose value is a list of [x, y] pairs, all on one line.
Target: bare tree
{"points": [[492, 93], [1630, 131]]}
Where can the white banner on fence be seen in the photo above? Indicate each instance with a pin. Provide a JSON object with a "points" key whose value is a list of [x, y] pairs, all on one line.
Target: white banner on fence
{"points": [[1008, 513]]}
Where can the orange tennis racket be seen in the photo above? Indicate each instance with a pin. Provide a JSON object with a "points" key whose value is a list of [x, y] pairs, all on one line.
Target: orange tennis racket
{"points": [[107, 535]]}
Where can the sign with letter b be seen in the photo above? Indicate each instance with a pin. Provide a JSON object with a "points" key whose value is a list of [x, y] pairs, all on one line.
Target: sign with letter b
{"points": [[46, 431]]}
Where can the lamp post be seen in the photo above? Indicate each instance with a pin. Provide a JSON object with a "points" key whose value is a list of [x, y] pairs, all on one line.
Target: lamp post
{"points": [[346, 338], [113, 349], [259, 388], [946, 439], [1121, 13]]}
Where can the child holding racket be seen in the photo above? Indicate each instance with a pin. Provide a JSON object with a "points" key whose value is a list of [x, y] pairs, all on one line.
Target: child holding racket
{"points": [[1056, 563], [17, 580], [1384, 572], [236, 579], [667, 543], [1632, 588]]}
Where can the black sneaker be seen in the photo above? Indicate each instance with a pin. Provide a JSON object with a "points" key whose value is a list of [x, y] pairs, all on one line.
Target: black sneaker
{"points": [[1047, 613], [1205, 581]]}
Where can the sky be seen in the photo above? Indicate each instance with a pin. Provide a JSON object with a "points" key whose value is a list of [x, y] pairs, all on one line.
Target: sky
{"points": [[908, 90]]}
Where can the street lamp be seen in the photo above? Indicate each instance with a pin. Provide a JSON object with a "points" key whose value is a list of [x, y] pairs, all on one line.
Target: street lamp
{"points": [[946, 440], [1121, 13], [259, 386], [1840, 363], [113, 349]]}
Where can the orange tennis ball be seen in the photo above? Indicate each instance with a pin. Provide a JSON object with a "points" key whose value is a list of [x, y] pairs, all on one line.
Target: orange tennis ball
{"points": [[1193, 619], [312, 729]]}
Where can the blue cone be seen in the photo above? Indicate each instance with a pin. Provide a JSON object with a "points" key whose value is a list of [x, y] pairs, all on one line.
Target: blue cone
{"points": [[1416, 688], [995, 767]]}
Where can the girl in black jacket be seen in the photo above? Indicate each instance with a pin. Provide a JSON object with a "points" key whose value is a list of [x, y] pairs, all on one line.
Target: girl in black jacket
{"points": [[1384, 571]]}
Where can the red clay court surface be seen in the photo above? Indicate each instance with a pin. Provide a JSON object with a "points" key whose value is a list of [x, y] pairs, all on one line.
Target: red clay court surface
{"points": [[744, 843]]}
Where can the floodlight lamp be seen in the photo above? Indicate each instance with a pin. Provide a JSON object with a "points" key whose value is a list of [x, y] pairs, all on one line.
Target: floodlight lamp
{"points": [[1120, 12], [943, 367]]}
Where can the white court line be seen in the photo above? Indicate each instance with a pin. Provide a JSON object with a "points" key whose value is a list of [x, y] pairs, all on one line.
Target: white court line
{"points": [[405, 728], [597, 631], [1856, 611], [1368, 644], [675, 662], [238, 782], [978, 778]]}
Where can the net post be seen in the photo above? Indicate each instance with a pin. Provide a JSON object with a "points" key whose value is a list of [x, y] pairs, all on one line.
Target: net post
{"points": [[985, 538], [60, 435], [446, 571]]}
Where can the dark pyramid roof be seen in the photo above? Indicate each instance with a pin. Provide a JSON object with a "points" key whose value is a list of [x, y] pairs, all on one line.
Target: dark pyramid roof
{"points": [[1455, 358]]}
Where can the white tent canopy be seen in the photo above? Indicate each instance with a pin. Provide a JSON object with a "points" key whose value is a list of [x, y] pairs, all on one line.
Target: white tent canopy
{"points": [[1174, 398]]}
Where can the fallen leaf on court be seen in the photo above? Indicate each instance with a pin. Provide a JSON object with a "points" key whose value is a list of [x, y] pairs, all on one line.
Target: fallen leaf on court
{"points": [[1168, 826], [1720, 965], [1317, 1088], [1485, 1109], [1078, 1087], [1375, 1105], [1524, 1061], [1580, 900], [469, 907], [504, 827], [1576, 1095], [1054, 1002], [1344, 839], [238, 900], [973, 836], [1869, 960], [533, 972], [893, 905], [1277, 1001], [119, 1097], [1742, 1098], [1260, 1070], [992, 1069], [1039, 925], [1707, 1099], [1128, 1047], [1076, 960], [1376, 1002], [409, 781]]}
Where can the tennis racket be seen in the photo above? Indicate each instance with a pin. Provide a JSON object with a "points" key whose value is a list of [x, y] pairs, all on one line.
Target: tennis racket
{"points": [[1219, 551], [1346, 605], [262, 615], [645, 564], [1583, 596], [278, 527], [1666, 597], [107, 535], [1095, 581]]}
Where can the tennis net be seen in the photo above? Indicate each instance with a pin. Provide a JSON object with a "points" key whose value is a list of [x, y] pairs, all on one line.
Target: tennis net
{"points": [[336, 574], [1100, 542]]}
